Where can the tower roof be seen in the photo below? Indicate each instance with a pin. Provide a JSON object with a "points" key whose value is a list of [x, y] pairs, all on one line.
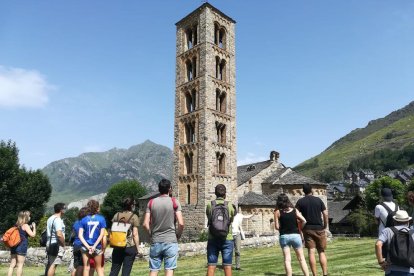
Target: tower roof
{"points": [[203, 6]]}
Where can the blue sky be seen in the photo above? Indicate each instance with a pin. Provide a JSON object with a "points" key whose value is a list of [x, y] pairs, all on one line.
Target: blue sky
{"points": [[79, 76]]}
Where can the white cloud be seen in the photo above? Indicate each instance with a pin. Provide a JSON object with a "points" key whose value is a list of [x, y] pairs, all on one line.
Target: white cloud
{"points": [[250, 158], [23, 88], [93, 148]]}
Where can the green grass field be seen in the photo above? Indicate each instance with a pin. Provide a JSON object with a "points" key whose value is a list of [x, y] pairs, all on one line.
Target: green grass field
{"points": [[345, 257]]}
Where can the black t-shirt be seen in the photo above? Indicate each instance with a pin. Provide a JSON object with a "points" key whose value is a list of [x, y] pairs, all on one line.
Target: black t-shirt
{"points": [[311, 208]]}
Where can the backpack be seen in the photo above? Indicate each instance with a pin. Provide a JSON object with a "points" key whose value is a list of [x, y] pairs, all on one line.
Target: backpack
{"points": [[175, 207], [43, 238], [390, 220], [219, 221], [401, 248], [119, 232], [12, 237]]}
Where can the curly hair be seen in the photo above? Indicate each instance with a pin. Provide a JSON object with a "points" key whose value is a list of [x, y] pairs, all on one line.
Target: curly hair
{"points": [[83, 212], [93, 207], [283, 202]]}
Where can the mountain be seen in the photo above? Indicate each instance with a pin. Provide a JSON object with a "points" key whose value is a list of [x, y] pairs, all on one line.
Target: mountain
{"points": [[94, 172], [395, 132]]}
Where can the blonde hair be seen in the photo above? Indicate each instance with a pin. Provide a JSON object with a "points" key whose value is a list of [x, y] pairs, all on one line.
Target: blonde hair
{"points": [[23, 218]]}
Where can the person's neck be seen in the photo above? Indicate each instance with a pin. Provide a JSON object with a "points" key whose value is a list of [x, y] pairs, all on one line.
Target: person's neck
{"points": [[58, 215]]}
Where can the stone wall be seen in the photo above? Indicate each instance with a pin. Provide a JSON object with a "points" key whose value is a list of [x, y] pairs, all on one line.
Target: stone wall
{"points": [[37, 256]]}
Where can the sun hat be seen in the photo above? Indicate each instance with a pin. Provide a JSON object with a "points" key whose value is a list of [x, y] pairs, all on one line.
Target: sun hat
{"points": [[402, 216], [386, 194]]}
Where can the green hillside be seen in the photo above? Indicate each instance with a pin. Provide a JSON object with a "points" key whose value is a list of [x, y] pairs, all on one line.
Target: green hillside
{"points": [[394, 132]]}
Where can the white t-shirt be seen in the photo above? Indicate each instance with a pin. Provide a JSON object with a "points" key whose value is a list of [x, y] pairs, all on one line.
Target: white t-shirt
{"points": [[382, 214], [236, 225], [58, 226]]}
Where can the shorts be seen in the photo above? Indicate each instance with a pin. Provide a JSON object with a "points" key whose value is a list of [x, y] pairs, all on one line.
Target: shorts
{"points": [[20, 249], [95, 253], [215, 246], [315, 239], [288, 240], [56, 260], [163, 251], [77, 257]]}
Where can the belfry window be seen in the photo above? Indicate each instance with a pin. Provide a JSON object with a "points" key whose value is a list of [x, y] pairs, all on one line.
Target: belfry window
{"points": [[191, 66], [221, 133], [190, 132], [220, 101], [188, 163], [188, 194], [191, 37], [220, 163], [219, 36], [220, 69], [190, 101]]}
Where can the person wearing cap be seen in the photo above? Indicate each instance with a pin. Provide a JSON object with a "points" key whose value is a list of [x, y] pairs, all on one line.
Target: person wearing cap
{"points": [[401, 223], [381, 212]]}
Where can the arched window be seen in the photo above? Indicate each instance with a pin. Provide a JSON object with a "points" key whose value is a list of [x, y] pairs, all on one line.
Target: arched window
{"points": [[221, 163], [189, 68], [221, 101], [217, 68], [222, 70], [220, 133], [190, 132], [222, 38], [188, 162], [188, 194], [190, 101], [216, 33], [189, 35]]}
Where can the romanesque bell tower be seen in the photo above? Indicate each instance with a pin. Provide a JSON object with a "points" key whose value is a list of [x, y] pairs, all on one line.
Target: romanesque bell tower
{"points": [[205, 113]]}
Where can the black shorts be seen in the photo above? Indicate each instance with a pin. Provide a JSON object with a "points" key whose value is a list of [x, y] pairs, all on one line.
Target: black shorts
{"points": [[77, 257]]}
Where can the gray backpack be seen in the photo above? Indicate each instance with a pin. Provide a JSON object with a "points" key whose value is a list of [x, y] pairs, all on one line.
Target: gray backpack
{"points": [[219, 222]]}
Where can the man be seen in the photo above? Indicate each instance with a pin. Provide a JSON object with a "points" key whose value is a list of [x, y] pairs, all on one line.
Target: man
{"points": [[159, 221], [401, 224], [238, 235], [224, 242], [55, 239], [313, 209], [383, 209]]}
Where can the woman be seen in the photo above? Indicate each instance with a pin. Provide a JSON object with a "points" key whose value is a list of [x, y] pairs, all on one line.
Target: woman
{"points": [[77, 244], [286, 221], [18, 253], [124, 256], [91, 232]]}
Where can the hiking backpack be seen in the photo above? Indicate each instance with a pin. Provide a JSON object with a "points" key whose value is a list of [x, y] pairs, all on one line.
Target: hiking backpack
{"points": [[219, 222], [390, 220], [401, 248], [12, 237], [119, 232]]}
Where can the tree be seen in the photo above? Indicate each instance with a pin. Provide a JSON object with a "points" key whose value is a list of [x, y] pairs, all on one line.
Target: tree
{"points": [[373, 191], [362, 221], [71, 215], [113, 199], [20, 189]]}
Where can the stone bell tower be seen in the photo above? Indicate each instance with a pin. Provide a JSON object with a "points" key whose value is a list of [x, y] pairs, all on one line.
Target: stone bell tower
{"points": [[205, 113]]}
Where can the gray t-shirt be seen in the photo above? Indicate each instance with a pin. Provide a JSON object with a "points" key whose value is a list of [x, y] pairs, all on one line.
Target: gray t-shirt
{"points": [[385, 236], [162, 219]]}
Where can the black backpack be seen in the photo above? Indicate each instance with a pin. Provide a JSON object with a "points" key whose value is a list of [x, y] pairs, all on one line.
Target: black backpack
{"points": [[219, 222], [401, 248], [390, 220]]}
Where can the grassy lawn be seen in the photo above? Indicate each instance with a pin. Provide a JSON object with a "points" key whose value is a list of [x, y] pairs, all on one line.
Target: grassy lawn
{"points": [[345, 257]]}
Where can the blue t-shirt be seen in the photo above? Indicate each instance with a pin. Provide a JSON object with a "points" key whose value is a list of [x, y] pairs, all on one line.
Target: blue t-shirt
{"points": [[92, 226], [75, 229]]}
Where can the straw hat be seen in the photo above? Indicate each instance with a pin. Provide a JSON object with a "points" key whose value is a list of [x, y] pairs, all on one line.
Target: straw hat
{"points": [[402, 216]]}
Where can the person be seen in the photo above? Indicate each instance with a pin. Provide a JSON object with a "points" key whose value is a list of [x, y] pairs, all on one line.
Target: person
{"points": [[18, 253], [91, 234], [410, 200], [383, 209], [55, 235], [125, 256], [215, 244], [159, 221], [313, 209], [238, 235], [77, 244], [383, 244], [286, 222]]}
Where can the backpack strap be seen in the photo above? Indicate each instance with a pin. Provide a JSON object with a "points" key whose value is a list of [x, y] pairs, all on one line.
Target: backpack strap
{"points": [[213, 204], [388, 209], [51, 231]]}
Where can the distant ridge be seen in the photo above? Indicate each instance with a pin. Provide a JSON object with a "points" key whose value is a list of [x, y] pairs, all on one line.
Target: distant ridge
{"points": [[394, 131], [93, 173]]}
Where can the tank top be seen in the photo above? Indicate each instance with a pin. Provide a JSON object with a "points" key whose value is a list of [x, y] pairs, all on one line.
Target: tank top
{"points": [[288, 223]]}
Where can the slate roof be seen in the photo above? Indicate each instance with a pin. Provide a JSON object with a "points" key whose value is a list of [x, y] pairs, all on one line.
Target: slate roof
{"points": [[275, 176], [294, 178], [252, 198], [336, 211], [244, 174]]}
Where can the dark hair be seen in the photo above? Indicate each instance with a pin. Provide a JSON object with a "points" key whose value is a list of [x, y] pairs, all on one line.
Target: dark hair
{"points": [[127, 203], [93, 207], [220, 190], [164, 186], [307, 188], [59, 207], [283, 202], [83, 212]]}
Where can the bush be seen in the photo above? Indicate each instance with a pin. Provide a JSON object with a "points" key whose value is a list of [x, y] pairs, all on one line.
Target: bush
{"points": [[373, 191]]}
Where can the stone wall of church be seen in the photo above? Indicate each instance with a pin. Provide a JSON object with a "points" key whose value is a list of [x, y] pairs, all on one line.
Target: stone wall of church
{"points": [[261, 223]]}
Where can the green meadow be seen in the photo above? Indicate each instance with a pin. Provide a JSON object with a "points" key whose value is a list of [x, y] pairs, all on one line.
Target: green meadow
{"points": [[345, 257]]}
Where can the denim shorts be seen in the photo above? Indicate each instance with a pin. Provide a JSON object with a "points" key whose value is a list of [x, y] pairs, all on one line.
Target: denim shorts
{"points": [[163, 251], [293, 240], [215, 246], [20, 249]]}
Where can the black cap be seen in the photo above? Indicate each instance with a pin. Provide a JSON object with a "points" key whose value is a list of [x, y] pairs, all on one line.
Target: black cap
{"points": [[386, 194]]}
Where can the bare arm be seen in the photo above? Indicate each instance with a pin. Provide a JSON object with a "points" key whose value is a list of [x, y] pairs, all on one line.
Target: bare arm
{"points": [[378, 253], [82, 239], [135, 237], [325, 219], [28, 230], [98, 240], [276, 219], [146, 222], [180, 221], [60, 237], [300, 216]]}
